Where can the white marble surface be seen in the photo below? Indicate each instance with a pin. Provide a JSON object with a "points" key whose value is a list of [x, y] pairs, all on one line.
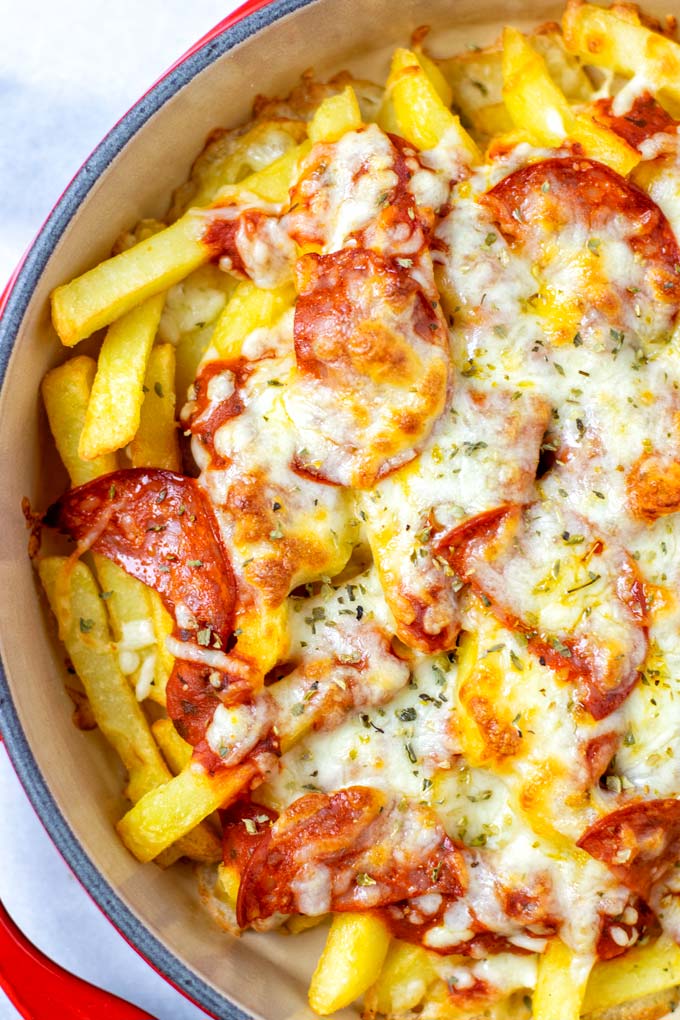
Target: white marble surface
{"points": [[68, 70]]}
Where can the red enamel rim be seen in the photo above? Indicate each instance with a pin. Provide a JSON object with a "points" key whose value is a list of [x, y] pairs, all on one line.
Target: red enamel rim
{"points": [[41, 990]]}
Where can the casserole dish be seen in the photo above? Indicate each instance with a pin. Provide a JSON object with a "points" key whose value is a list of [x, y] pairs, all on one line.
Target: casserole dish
{"points": [[157, 913]]}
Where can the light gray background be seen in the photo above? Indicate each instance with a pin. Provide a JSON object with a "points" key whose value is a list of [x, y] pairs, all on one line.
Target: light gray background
{"points": [[68, 70]]}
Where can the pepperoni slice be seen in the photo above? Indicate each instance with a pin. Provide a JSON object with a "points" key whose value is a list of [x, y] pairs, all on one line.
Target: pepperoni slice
{"points": [[638, 843], [244, 826], [346, 851], [366, 337], [645, 118], [504, 555], [653, 486], [558, 191], [159, 527]]}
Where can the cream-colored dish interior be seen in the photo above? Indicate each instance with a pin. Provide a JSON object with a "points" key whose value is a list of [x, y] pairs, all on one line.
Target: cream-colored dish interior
{"points": [[265, 975]]}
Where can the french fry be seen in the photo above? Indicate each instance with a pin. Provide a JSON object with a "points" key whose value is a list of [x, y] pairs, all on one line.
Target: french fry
{"points": [[227, 884], [351, 961], [264, 636], [165, 814], [202, 843], [641, 971], [272, 182], [560, 984], [113, 412], [125, 596], [83, 627], [249, 308], [163, 626], [155, 443], [434, 73], [116, 286], [538, 107], [413, 107], [334, 117], [606, 38], [403, 981], [176, 751], [232, 155], [66, 392]]}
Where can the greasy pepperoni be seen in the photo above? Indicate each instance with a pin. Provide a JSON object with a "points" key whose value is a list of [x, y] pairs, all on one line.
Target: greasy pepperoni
{"points": [[371, 348], [244, 826], [598, 753], [639, 843], [476, 551], [560, 190], [653, 487], [159, 527], [315, 825], [347, 849], [344, 297], [645, 118]]}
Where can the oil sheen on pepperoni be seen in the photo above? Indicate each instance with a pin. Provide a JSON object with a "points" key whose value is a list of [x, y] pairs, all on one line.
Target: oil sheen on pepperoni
{"points": [[561, 190], [159, 527], [638, 843]]}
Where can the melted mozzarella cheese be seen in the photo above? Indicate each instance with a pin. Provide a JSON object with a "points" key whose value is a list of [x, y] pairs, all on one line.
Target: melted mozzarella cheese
{"points": [[558, 348]]}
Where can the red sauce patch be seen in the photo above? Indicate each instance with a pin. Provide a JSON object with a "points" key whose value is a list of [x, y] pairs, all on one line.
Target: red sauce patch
{"points": [[204, 425], [221, 237], [645, 118]]}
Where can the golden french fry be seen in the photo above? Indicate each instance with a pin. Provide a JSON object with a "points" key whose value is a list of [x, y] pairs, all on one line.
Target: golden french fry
{"points": [[249, 308], [608, 38], [176, 751], [129, 606], [232, 155], [335, 116], [163, 626], [641, 971], [272, 182], [155, 443], [116, 286], [227, 885], [66, 392], [435, 76], [538, 107], [351, 961], [113, 412], [84, 630], [560, 984], [413, 106], [201, 844], [403, 981], [165, 814], [264, 637]]}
